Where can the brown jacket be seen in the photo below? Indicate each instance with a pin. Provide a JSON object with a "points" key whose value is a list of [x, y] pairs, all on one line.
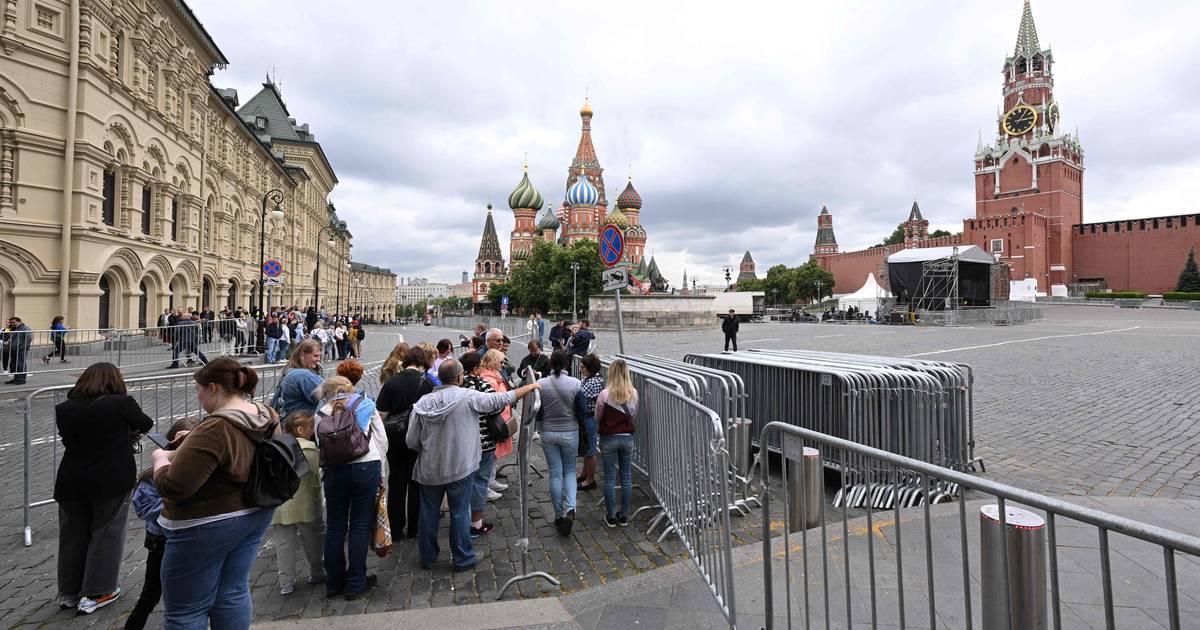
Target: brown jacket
{"points": [[207, 472]]}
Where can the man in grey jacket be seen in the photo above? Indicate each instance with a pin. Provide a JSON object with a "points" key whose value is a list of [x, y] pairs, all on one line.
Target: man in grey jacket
{"points": [[444, 430]]}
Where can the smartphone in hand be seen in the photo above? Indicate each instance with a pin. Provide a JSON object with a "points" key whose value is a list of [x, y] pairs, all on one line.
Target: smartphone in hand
{"points": [[160, 440]]}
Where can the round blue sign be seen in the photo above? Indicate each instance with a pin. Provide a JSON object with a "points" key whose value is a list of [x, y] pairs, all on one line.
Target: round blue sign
{"points": [[612, 245], [272, 268]]}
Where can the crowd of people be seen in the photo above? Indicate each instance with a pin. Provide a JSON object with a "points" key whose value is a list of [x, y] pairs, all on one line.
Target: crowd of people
{"points": [[379, 469]]}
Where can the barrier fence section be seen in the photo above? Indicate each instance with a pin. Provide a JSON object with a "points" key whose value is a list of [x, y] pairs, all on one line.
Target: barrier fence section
{"points": [[529, 410], [43, 351], [1012, 562], [691, 481], [912, 408], [164, 398]]}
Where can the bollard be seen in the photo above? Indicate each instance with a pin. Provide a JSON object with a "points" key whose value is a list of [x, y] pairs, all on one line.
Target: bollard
{"points": [[1026, 539], [805, 487]]}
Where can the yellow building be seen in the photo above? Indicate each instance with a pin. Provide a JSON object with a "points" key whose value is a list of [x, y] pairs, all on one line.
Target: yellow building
{"points": [[372, 293], [121, 163]]}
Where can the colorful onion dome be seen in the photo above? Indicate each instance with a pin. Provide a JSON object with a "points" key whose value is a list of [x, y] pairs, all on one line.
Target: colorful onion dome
{"points": [[548, 220], [525, 196], [629, 198], [635, 231], [520, 254], [617, 218], [582, 192]]}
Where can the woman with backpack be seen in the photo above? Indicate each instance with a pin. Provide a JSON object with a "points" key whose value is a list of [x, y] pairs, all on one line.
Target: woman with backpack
{"points": [[213, 532], [396, 398], [558, 423], [352, 444], [616, 410]]}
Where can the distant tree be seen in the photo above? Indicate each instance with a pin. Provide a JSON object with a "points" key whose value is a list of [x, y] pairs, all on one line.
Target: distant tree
{"points": [[544, 281], [896, 238], [937, 233], [1189, 278]]}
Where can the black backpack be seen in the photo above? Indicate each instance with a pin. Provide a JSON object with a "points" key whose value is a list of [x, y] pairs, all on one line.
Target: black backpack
{"points": [[275, 471]]}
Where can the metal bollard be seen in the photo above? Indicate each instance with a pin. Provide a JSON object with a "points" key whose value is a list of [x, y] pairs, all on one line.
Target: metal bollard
{"points": [[1026, 538], [805, 487]]}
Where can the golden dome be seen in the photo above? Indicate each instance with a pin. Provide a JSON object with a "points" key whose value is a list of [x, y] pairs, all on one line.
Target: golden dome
{"points": [[586, 110]]}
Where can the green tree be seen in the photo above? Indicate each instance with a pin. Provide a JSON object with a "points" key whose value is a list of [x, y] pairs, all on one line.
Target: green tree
{"points": [[544, 280], [896, 238], [938, 233], [1189, 278]]}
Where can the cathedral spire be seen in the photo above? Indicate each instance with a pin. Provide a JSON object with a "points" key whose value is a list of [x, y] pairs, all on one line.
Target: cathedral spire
{"points": [[1027, 39], [489, 245]]}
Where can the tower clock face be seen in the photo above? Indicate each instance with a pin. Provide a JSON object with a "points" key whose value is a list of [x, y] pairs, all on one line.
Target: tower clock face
{"points": [[1019, 120]]}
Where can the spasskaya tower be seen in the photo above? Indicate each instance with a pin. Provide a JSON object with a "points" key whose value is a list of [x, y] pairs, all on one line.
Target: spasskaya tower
{"points": [[1035, 167]]}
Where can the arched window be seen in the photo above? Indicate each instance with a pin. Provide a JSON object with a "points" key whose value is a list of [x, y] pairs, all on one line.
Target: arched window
{"points": [[1021, 66], [143, 302], [487, 267], [232, 303], [174, 218], [105, 299], [206, 294], [109, 211]]}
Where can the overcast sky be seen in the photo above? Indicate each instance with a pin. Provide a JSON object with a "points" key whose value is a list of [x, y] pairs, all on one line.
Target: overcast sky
{"points": [[738, 121]]}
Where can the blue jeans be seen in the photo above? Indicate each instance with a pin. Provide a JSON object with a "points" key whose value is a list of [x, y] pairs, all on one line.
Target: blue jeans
{"points": [[272, 348], [561, 449], [206, 573], [617, 450], [458, 495], [282, 353], [479, 481], [349, 513]]}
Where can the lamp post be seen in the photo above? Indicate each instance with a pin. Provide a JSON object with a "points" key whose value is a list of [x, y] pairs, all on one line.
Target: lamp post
{"points": [[727, 277], [317, 280], [337, 306], [574, 290], [275, 196], [818, 291]]}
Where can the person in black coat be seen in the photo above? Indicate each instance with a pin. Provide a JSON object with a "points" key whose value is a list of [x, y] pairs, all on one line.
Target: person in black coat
{"points": [[17, 339], [538, 360], [98, 423], [730, 328], [397, 397]]}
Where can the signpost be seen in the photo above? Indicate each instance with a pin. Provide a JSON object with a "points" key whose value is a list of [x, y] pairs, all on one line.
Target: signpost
{"points": [[503, 306], [612, 248], [273, 270]]}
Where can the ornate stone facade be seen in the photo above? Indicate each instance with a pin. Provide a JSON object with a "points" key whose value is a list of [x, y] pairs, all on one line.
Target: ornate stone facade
{"points": [[165, 175], [372, 293]]}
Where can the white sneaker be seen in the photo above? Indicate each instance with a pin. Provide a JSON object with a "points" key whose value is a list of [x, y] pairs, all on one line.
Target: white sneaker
{"points": [[287, 589], [498, 486], [88, 605], [492, 495]]}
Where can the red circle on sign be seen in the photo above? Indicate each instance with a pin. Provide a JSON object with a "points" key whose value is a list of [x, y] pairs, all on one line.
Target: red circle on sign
{"points": [[612, 245]]}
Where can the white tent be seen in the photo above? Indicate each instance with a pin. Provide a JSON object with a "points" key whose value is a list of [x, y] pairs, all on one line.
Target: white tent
{"points": [[867, 297]]}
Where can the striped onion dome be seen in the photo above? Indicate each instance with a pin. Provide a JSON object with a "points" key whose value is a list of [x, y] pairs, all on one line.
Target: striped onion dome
{"points": [[521, 254], [548, 220], [582, 192], [629, 198], [617, 218], [636, 230], [524, 195]]}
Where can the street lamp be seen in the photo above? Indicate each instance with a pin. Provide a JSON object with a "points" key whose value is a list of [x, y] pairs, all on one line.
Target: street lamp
{"points": [[727, 277], [334, 228], [338, 304], [574, 290], [275, 196]]}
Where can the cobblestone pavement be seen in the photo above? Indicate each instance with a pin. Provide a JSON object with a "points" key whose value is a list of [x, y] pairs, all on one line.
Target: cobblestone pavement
{"points": [[1090, 401]]}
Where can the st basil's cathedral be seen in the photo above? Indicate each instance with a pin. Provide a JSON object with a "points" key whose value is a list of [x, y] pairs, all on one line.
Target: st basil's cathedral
{"points": [[583, 213]]}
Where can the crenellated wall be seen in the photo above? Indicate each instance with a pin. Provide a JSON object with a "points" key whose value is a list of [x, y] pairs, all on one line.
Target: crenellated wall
{"points": [[1136, 254], [850, 269]]}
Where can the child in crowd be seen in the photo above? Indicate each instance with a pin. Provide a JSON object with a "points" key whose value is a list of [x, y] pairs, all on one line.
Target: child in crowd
{"points": [[148, 505], [302, 516]]}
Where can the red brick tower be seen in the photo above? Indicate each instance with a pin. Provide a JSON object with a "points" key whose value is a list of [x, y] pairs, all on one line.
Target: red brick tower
{"points": [[524, 201], [586, 201], [916, 228], [826, 242], [489, 264], [1034, 168]]}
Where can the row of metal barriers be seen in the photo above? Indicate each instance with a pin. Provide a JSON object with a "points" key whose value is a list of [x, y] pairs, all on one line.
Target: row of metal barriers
{"points": [[915, 408], [164, 398]]}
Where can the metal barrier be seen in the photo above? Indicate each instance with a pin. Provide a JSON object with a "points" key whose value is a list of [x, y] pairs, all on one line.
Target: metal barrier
{"points": [[687, 451], [164, 398], [870, 584], [919, 409], [529, 410], [45, 351], [997, 315], [512, 326]]}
